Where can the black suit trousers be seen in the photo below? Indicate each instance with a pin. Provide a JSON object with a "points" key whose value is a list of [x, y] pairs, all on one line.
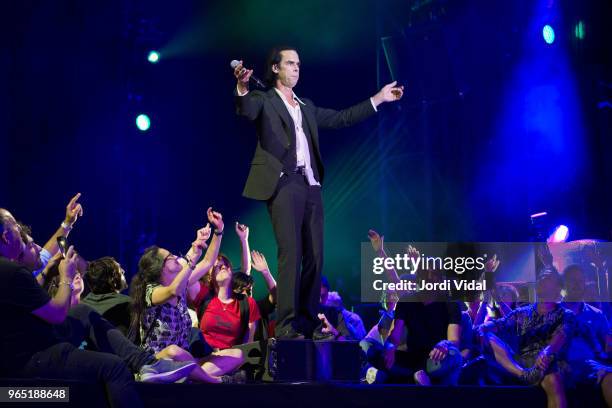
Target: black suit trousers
{"points": [[296, 211]]}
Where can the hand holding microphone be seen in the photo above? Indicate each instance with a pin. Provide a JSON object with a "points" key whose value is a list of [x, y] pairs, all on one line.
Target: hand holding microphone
{"points": [[243, 76]]}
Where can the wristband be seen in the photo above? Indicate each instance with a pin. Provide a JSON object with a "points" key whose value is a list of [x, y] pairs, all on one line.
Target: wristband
{"points": [[189, 263], [65, 226], [218, 233]]}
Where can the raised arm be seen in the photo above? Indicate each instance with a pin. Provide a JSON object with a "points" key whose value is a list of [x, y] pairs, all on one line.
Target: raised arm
{"points": [[216, 219], [73, 211], [329, 118], [378, 244], [261, 265], [161, 294], [243, 235], [56, 310], [248, 104]]}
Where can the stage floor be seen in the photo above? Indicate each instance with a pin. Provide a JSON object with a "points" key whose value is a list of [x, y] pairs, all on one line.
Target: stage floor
{"points": [[298, 395]]}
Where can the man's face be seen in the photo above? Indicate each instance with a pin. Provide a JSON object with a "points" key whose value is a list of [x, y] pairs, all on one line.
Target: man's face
{"points": [[548, 289], [30, 257], [288, 69], [11, 244]]}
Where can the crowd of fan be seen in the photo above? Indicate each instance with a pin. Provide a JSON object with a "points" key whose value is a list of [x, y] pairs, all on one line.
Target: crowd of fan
{"points": [[185, 315]]}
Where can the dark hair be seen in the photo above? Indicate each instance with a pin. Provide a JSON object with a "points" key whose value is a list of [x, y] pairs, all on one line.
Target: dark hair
{"points": [[149, 271], [241, 281], [103, 276], [274, 58], [3, 219], [573, 268], [507, 289], [552, 275]]}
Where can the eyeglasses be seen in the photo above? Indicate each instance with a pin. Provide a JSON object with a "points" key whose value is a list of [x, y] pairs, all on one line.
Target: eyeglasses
{"points": [[171, 256], [166, 258]]}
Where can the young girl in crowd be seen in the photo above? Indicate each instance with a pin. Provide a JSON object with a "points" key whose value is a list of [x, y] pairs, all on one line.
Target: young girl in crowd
{"points": [[160, 291]]}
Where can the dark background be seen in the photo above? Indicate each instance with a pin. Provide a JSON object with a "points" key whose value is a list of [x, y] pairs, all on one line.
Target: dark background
{"points": [[495, 124]]}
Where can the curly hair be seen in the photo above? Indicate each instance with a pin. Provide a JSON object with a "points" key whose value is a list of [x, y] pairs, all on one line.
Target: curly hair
{"points": [[104, 276]]}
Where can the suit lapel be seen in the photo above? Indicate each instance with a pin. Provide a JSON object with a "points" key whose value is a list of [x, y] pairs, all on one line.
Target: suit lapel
{"points": [[282, 111], [310, 122]]}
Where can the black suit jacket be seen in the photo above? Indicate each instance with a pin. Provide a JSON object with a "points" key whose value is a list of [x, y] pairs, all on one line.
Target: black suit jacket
{"points": [[276, 150]]}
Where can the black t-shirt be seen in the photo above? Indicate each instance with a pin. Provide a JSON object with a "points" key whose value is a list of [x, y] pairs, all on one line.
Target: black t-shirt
{"points": [[22, 334], [267, 310], [427, 324]]}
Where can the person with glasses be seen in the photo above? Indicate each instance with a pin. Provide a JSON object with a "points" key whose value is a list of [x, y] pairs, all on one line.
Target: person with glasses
{"points": [[160, 319]]}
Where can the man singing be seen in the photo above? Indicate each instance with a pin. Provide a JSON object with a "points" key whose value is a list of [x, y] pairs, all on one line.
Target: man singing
{"points": [[287, 173]]}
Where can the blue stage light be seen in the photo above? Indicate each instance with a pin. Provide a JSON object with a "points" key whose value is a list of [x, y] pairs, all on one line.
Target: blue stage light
{"points": [[153, 57], [549, 34], [143, 122]]}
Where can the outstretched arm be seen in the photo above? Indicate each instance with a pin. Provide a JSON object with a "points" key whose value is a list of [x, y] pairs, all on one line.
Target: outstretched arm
{"points": [[330, 118], [216, 219], [261, 265], [73, 211]]}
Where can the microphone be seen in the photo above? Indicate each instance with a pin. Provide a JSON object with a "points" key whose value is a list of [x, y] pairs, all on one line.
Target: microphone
{"points": [[253, 78]]}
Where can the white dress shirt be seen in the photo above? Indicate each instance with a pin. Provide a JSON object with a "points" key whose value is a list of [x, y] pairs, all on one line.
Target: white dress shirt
{"points": [[301, 143]]}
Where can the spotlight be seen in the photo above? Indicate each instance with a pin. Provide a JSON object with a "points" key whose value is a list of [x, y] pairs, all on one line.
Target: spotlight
{"points": [[143, 122], [560, 234], [549, 34], [579, 30], [153, 57]]}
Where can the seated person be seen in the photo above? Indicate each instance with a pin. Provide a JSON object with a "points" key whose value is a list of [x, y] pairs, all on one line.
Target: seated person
{"points": [[433, 340], [542, 330], [105, 279], [339, 322], [227, 318], [591, 337], [160, 319], [32, 342]]}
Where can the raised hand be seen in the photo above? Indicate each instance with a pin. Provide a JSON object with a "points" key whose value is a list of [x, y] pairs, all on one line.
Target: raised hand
{"points": [[259, 261], [242, 231], [73, 210], [388, 93], [376, 240], [242, 76], [327, 326], [202, 236], [68, 265], [215, 218]]}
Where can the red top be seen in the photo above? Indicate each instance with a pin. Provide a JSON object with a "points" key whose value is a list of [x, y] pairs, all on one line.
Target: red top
{"points": [[220, 324]]}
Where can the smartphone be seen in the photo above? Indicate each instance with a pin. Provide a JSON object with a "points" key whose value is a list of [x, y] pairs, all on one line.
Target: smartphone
{"points": [[63, 245]]}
